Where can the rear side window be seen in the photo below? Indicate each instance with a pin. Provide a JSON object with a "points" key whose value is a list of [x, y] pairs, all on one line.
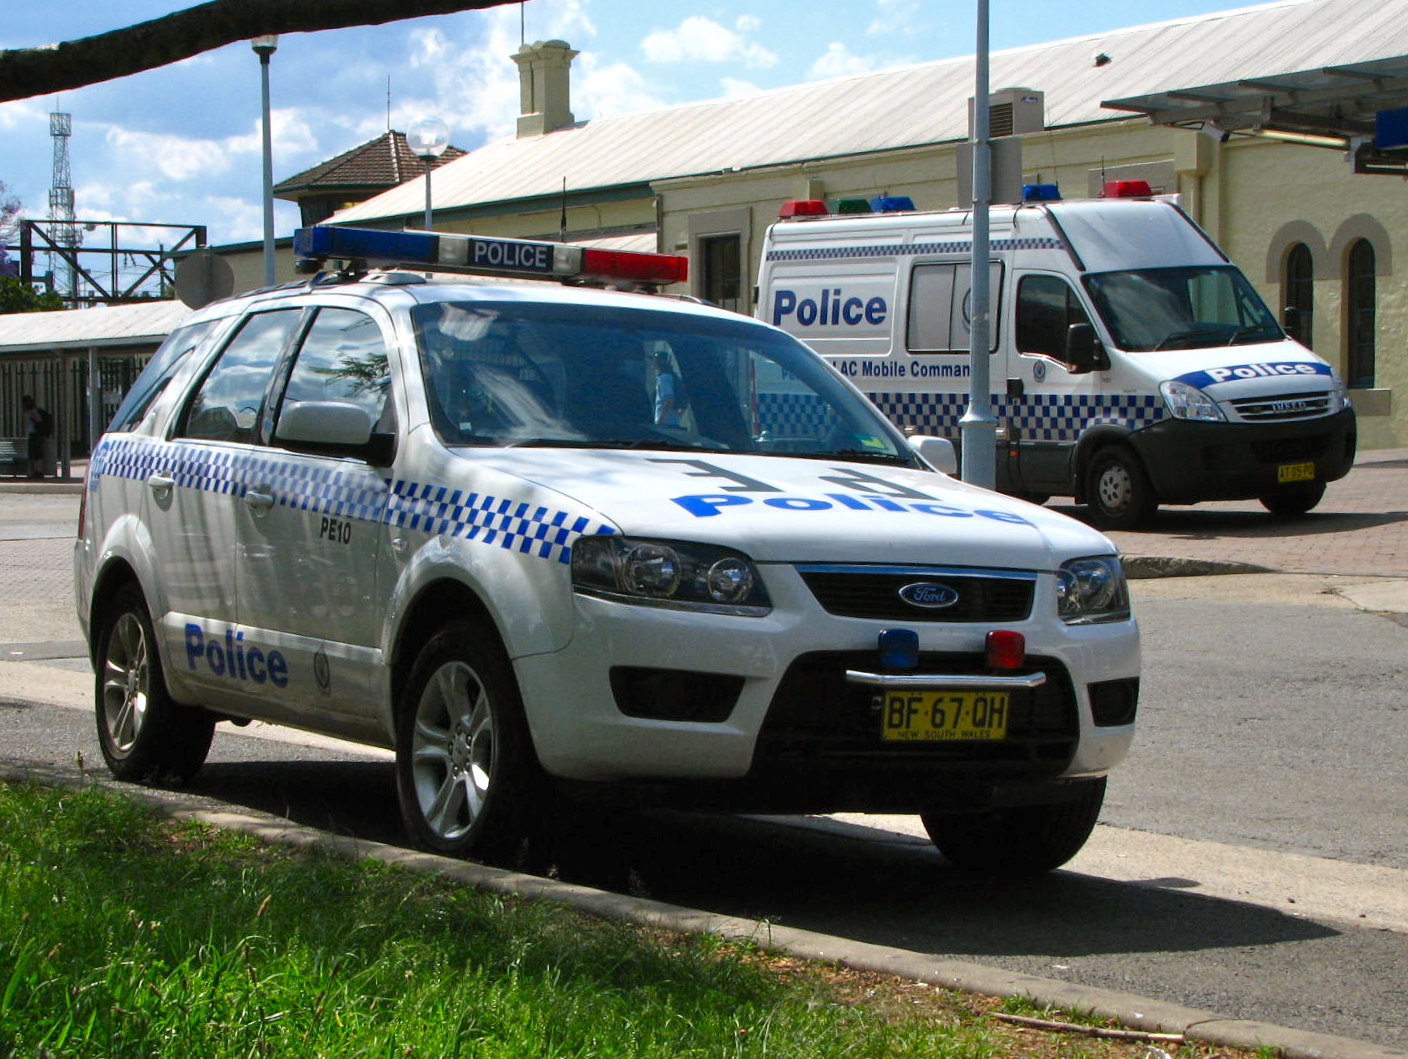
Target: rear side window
{"points": [[226, 407], [165, 362]]}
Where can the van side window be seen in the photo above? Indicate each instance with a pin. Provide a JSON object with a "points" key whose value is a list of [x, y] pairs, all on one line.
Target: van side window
{"points": [[227, 405], [940, 307], [1046, 309]]}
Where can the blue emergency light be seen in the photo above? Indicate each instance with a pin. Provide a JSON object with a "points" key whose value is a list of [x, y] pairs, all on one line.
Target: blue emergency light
{"points": [[480, 255], [892, 204], [1040, 193]]}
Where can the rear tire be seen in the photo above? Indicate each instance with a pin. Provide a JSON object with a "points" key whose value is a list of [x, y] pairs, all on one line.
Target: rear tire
{"points": [[1117, 490], [1021, 840], [1296, 502], [144, 735], [467, 778]]}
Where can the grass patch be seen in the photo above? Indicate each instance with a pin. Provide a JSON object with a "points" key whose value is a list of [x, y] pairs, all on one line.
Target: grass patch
{"points": [[123, 933]]}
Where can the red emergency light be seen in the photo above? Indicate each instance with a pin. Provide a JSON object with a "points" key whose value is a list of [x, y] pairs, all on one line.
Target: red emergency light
{"points": [[1127, 189], [803, 208]]}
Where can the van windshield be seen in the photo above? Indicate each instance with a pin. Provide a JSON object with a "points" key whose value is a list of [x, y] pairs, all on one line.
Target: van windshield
{"points": [[1181, 308], [513, 373]]}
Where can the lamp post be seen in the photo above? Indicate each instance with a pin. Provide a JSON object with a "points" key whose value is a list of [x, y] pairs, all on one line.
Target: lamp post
{"points": [[978, 427], [427, 138], [264, 47]]}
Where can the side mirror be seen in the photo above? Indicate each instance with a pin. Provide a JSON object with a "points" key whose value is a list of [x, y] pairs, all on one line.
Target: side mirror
{"points": [[938, 453], [335, 428], [1083, 350]]}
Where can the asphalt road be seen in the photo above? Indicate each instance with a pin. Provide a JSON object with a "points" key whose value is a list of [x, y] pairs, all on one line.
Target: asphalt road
{"points": [[1250, 861]]}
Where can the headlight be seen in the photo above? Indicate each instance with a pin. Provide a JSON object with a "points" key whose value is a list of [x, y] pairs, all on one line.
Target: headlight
{"points": [[668, 574], [1092, 590], [1189, 402]]}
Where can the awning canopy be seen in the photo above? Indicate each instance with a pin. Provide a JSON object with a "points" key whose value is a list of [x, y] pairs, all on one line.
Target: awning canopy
{"points": [[1334, 106]]}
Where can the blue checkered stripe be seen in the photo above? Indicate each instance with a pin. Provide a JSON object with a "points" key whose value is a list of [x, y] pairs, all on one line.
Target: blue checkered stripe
{"points": [[511, 524], [430, 508], [951, 246], [794, 414], [1038, 417]]}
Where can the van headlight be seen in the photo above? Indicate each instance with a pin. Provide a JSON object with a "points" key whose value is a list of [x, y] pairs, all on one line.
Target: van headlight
{"points": [[668, 574], [1092, 590], [1189, 402]]}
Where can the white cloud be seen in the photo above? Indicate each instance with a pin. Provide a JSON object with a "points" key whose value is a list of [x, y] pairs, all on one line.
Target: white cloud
{"points": [[732, 86], [895, 16], [704, 40], [840, 61], [601, 90]]}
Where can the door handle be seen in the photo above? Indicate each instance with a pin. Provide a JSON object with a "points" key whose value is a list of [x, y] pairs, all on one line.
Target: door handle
{"points": [[256, 501], [161, 484]]}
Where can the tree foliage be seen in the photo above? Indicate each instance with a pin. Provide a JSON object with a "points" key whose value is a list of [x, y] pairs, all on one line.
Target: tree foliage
{"points": [[26, 72], [16, 296]]}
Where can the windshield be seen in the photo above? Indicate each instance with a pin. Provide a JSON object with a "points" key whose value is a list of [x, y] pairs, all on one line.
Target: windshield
{"points": [[518, 374], [1181, 308]]}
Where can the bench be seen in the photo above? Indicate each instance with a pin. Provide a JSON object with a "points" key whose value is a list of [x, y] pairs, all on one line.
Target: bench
{"points": [[14, 456]]}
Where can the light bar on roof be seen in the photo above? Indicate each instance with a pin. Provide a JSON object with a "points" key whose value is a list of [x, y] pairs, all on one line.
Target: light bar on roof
{"points": [[481, 255]]}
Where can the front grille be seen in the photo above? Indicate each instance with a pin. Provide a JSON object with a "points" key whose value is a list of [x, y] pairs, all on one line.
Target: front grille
{"points": [[870, 592], [819, 719], [1282, 408]]}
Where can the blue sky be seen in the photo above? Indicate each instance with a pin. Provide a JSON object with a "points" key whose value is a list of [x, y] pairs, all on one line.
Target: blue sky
{"points": [[181, 145]]}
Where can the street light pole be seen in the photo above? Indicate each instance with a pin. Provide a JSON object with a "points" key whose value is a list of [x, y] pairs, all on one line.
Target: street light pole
{"points": [[427, 138], [264, 47], [978, 427]]}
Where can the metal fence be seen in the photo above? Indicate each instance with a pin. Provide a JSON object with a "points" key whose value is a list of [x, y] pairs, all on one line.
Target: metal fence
{"points": [[59, 382]]}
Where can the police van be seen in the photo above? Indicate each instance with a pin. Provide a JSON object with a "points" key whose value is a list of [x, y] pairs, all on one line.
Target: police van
{"points": [[549, 540], [1133, 364]]}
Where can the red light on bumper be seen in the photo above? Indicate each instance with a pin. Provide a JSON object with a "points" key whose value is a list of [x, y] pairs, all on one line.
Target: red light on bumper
{"points": [[1006, 649]]}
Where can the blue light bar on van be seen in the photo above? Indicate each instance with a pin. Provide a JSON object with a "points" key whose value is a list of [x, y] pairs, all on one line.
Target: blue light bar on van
{"points": [[1040, 193], [892, 204], [481, 255]]}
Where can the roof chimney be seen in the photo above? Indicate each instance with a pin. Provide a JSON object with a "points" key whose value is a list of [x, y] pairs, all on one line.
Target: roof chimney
{"points": [[544, 86]]}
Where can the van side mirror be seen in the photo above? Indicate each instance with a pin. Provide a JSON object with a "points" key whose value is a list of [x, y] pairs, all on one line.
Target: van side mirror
{"points": [[938, 453], [1083, 350]]}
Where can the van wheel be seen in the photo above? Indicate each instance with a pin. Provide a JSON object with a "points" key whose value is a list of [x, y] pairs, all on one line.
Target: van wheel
{"points": [[144, 735], [1296, 502], [466, 775], [1117, 491], [1022, 840]]}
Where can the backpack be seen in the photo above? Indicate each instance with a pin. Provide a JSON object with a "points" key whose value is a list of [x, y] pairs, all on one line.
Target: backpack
{"points": [[44, 426]]}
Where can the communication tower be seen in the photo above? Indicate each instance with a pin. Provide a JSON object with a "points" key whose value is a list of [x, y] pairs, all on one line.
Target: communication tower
{"points": [[65, 232]]}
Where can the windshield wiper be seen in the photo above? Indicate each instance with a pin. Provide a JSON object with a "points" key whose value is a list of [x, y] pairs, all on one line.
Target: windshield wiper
{"points": [[857, 455]]}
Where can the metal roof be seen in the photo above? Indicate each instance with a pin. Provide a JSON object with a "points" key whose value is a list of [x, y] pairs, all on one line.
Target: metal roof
{"points": [[911, 106], [137, 324]]}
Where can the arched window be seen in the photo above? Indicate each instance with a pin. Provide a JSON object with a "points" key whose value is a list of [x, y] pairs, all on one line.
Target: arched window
{"points": [[1360, 304], [1299, 317]]}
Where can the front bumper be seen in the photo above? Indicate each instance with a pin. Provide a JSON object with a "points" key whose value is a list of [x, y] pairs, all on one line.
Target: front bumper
{"points": [[798, 735], [1189, 462]]}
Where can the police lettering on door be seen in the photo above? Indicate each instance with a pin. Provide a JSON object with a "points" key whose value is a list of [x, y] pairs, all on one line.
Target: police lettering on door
{"points": [[831, 307]]}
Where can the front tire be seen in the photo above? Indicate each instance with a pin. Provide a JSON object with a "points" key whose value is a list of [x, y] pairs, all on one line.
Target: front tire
{"points": [[466, 775], [1118, 491], [1020, 840], [144, 735], [1295, 502]]}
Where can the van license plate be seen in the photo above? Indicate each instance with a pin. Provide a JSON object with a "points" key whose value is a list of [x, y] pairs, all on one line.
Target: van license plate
{"points": [[1295, 472], [944, 715]]}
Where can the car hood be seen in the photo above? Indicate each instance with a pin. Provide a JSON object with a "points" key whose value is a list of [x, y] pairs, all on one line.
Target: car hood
{"points": [[781, 509], [1233, 372]]}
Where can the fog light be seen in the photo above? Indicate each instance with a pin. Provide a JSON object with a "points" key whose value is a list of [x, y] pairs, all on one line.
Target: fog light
{"points": [[1006, 649]]}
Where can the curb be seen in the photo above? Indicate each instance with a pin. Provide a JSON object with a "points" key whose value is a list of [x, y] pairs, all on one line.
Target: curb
{"points": [[1150, 566], [1131, 1011]]}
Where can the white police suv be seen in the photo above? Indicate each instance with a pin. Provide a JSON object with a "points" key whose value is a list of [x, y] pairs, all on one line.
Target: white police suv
{"points": [[544, 539]]}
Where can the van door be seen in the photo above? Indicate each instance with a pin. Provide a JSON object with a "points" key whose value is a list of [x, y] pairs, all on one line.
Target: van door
{"points": [[1048, 400]]}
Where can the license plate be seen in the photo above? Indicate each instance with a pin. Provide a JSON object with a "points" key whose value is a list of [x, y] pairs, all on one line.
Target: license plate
{"points": [[1295, 472], [919, 716]]}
